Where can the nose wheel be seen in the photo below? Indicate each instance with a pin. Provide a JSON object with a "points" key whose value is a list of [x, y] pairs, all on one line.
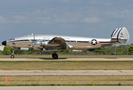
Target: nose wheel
{"points": [[55, 56], [12, 56]]}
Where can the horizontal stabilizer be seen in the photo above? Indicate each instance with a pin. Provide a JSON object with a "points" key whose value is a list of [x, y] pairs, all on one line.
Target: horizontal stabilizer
{"points": [[120, 35]]}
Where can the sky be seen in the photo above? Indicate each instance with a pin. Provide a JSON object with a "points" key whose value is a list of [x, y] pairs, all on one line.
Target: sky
{"points": [[84, 18]]}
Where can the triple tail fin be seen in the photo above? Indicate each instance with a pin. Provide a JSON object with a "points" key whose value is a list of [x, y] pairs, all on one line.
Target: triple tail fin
{"points": [[120, 35]]}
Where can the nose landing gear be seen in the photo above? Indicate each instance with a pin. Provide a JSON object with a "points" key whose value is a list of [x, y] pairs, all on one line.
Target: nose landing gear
{"points": [[12, 56]]}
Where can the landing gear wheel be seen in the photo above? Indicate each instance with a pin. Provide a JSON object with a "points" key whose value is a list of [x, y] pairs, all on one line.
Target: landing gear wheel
{"points": [[12, 56], [55, 56]]}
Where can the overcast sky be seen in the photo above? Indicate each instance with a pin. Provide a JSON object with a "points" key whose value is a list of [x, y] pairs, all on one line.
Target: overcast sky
{"points": [[86, 18]]}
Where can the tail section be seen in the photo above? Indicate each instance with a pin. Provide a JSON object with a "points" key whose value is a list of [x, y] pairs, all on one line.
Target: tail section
{"points": [[120, 35]]}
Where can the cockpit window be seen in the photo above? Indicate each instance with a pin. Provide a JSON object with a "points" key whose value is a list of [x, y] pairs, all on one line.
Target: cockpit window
{"points": [[12, 39]]}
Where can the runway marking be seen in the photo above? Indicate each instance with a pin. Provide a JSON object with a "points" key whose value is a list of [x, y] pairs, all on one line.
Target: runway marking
{"points": [[66, 72]]}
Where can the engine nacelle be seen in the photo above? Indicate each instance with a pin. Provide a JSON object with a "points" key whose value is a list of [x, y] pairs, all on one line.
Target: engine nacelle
{"points": [[40, 44], [45, 42], [37, 45]]}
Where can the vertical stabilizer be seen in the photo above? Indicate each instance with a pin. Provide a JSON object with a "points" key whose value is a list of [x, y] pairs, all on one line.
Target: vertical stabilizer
{"points": [[120, 35]]}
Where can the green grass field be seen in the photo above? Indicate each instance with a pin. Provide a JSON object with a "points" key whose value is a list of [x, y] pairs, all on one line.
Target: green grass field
{"points": [[67, 81], [69, 56], [66, 65], [60, 80]]}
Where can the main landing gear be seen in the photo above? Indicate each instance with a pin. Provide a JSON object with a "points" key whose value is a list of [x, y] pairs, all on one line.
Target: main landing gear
{"points": [[55, 56]]}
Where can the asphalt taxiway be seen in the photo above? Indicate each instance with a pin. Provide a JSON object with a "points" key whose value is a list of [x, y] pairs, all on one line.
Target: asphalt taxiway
{"points": [[67, 88], [67, 59], [66, 72]]}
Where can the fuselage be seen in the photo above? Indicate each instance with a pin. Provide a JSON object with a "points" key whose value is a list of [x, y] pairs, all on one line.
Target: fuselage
{"points": [[72, 42]]}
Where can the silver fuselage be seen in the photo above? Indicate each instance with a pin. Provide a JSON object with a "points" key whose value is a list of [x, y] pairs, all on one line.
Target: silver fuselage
{"points": [[72, 42]]}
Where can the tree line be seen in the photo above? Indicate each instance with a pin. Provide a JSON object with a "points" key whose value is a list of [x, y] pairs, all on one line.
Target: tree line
{"points": [[108, 50]]}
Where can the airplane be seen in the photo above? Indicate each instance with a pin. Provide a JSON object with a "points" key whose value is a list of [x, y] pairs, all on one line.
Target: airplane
{"points": [[52, 43]]}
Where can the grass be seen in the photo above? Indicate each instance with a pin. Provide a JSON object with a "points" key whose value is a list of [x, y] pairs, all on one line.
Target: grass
{"points": [[69, 56], [67, 81], [66, 65]]}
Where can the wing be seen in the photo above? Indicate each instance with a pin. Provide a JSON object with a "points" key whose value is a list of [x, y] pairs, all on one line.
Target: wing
{"points": [[56, 43]]}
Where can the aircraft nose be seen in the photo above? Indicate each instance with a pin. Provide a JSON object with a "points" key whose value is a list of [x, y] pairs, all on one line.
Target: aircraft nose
{"points": [[4, 43]]}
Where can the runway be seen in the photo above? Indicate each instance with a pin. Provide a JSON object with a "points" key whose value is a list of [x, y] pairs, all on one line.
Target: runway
{"points": [[66, 72], [67, 59], [67, 88]]}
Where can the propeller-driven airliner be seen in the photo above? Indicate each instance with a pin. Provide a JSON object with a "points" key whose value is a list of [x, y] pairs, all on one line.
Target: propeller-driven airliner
{"points": [[52, 43]]}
